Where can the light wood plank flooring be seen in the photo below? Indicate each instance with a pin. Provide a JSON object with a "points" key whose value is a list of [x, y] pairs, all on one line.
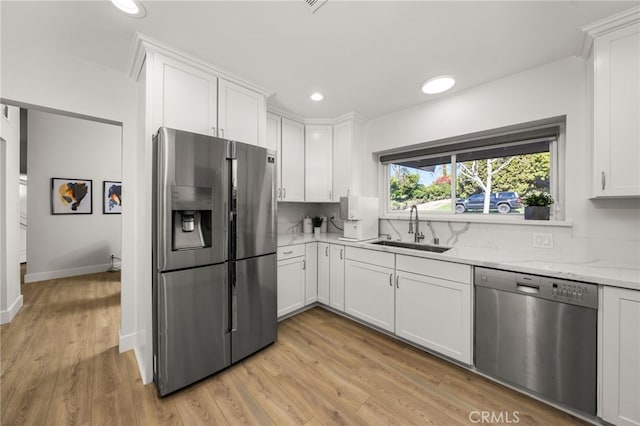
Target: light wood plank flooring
{"points": [[61, 366]]}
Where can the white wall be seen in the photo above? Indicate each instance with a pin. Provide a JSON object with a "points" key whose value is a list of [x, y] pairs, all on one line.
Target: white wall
{"points": [[608, 229], [53, 79], [10, 297], [68, 147]]}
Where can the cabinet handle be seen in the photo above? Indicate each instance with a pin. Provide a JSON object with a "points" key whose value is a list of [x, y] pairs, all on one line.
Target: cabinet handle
{"points": [[284, 192], [221, 132], [391, 280], [603, 180], [213, 128], [288, 252], [326, 251], [304, 264], [341, 250], [397, 281], [330, 195], [348, 192], [279, 192]]}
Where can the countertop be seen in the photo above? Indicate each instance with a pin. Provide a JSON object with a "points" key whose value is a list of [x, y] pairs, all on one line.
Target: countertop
{"points": [[598, 272]]}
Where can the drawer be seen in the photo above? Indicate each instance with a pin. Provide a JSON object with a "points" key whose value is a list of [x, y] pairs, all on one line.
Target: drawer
{"points": [[434, 268], [287, 252], [373, 257]]}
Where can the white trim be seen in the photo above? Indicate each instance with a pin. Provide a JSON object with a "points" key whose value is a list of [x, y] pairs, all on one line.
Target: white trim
{"points": [[603, 26], [142, 367], [333, 121], [479, 218], [9, 314], [127, 342], [142, 44], [62, 273]]}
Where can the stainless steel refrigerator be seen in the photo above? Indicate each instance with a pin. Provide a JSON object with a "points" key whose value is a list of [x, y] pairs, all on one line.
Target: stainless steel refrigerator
{"points": [[214, 255]]}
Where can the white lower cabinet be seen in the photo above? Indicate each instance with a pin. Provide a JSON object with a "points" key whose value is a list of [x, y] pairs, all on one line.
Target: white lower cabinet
{"points": [[323, 273], [369, 286], [311, 273], [432, 310], [291, 278], [336, 276], [621, 356]]}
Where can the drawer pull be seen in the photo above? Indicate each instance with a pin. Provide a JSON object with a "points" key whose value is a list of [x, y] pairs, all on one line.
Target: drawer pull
{"points": [[288, 252]]}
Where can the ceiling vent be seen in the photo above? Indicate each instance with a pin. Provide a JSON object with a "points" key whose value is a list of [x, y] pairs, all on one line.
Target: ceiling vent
{"points": [[315, 4]]}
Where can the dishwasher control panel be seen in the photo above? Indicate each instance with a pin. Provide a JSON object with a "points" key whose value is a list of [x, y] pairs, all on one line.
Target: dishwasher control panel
{"points": [[555, 289], [578, 293]]}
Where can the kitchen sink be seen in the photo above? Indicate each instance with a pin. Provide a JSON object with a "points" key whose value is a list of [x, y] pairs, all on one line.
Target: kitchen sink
{"points": [[413, 246]]}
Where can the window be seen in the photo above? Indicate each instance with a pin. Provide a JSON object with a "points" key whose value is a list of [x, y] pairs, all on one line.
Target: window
{"points": [[487, 175]]}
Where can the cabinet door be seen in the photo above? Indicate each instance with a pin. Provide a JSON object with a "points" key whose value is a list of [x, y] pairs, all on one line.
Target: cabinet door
{"points": [[311, 257], [187, 97], [274, 134], [291, 285], [323, 273], [292, 161], [336, 276], [318, 158], [617, 108], [369, 293], [343, 168], [242, 114], [621, 356], [434, 313]]}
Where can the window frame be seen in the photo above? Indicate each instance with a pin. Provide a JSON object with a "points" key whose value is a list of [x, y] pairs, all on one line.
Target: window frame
{"points": [[556, 187]]}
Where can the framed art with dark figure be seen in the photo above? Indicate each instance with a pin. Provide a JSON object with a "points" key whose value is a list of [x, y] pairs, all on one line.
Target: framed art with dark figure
{"points": [[111, 197], [71, 196]]}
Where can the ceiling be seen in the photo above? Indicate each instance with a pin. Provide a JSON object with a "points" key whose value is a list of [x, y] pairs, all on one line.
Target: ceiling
{"points": [[370, 57]]}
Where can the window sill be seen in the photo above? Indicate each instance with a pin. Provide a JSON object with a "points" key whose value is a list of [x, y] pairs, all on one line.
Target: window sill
{"points": [[478, 218]]}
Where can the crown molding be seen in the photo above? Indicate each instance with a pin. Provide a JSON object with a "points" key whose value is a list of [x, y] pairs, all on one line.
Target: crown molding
{"points": [[143, 44], [603, 26], [284, 113]]}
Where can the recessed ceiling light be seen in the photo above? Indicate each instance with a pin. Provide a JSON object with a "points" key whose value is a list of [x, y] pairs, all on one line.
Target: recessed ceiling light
{"points": [[439, 84], [130, 7], [317, 96]]}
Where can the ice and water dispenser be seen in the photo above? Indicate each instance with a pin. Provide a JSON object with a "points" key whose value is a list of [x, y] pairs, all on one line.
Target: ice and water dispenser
{"points": [[191, 215]]}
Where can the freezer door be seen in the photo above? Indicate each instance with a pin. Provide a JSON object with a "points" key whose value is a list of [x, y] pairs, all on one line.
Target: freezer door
{"points": [[254, 319], [253, 201], [192, 330], [191, 196]]}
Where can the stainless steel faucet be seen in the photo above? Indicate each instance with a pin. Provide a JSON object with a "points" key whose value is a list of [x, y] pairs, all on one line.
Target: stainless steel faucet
{"points": [[418, 235]]}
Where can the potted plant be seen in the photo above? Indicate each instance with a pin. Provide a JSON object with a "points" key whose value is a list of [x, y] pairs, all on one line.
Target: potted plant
{"points": [[537, 205], [317, 222]]}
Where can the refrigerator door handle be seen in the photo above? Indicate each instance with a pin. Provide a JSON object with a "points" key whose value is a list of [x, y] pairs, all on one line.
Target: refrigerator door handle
{"points": [[234, 297], [233, 208]]}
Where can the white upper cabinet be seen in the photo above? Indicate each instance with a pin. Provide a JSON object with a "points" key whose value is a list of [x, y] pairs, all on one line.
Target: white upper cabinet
{"points": [[186, 97], [274, 132], [318, 159], [616, 105], [291, 156], [347, 158], [241, 114]]}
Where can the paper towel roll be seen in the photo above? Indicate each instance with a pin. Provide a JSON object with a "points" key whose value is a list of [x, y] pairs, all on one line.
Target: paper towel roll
{"points": [[307, 227]]}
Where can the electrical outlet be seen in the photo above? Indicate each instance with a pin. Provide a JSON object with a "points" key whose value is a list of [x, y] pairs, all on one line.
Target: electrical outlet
{"points": [[542, 240]]}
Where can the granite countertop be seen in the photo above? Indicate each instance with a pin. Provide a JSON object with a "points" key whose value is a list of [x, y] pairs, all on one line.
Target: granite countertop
{"points": [[624, 275]]}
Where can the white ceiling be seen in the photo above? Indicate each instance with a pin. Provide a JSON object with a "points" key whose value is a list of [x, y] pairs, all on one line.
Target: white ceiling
{"points": [[370, 57]]}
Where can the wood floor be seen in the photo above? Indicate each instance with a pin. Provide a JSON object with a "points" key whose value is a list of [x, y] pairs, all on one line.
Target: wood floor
{"points": [[61, 366]]}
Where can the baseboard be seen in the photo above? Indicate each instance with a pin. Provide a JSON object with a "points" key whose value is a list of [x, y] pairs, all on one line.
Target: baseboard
{"points": [[142, 366], [7, 316], [127, 341], [63, 273]]}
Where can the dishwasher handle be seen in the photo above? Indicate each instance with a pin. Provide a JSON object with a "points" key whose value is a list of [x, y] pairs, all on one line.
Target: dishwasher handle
{"points": [[528, 288]]}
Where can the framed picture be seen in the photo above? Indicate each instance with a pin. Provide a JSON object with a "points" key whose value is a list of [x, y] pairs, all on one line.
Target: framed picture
{"points": [[111, 197], [71, 196]]}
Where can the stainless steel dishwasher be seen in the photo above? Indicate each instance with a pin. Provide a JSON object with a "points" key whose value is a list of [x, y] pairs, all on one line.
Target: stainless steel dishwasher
{"points": [[538, 333]]}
